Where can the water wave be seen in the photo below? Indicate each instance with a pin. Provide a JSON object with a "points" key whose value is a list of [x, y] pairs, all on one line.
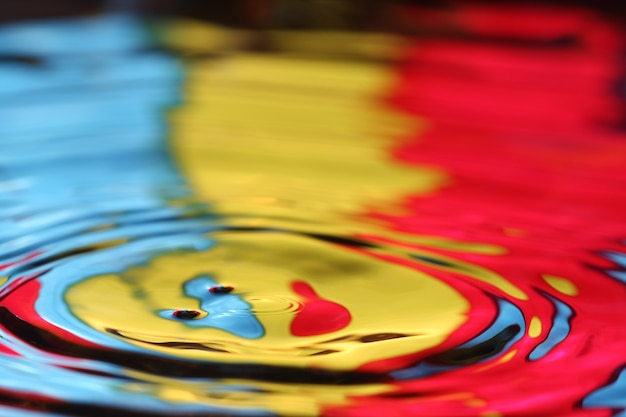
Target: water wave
{"points": [[283, 252]]}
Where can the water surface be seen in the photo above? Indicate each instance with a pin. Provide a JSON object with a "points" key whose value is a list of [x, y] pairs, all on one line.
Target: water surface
{"points": [[251, 234]]}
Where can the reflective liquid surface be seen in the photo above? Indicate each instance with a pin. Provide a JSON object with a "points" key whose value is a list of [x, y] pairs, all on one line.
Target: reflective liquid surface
{"points": [[254, 234]]}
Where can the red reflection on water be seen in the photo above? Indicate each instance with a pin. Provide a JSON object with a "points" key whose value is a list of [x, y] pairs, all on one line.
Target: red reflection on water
{"points": [[525, 133], [317, 316]]}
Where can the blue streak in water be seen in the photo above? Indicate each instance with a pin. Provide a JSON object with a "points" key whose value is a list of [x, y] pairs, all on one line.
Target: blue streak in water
{"points": [[620, 259], [61, 383], [228, 312], [611, 396], [508, 315], [97, 35], [558, 332], [56, 74], [15, 412]]}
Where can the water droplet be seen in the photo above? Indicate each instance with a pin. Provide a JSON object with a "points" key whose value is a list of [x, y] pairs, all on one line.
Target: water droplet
{"points": [[186, 314], [220, 289]]}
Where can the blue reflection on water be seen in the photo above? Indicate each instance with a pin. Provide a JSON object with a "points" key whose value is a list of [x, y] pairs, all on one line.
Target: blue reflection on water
{"points": [[612, 396], [558, 331], [228, 312], [83, 162]]}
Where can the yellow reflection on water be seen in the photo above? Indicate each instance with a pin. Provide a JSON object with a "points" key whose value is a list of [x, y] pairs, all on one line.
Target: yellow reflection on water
{"points": [[419, 311], [562, 285], [277, 140], [535, 328], [290, 135]]}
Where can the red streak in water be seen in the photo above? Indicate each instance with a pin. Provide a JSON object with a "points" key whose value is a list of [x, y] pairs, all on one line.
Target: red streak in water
{"points": [[317, 316], [20, 261], [22, 304]]}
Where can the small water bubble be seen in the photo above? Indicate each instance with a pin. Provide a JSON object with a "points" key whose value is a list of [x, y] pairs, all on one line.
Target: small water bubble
{"points": [[186, 314], [221, 289]]}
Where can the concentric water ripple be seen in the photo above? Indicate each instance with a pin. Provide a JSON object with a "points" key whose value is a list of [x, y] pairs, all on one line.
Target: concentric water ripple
{"points": [[244, 243]]}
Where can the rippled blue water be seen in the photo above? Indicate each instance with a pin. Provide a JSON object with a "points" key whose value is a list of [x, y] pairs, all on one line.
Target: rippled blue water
{"points": [[83, 163]]}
